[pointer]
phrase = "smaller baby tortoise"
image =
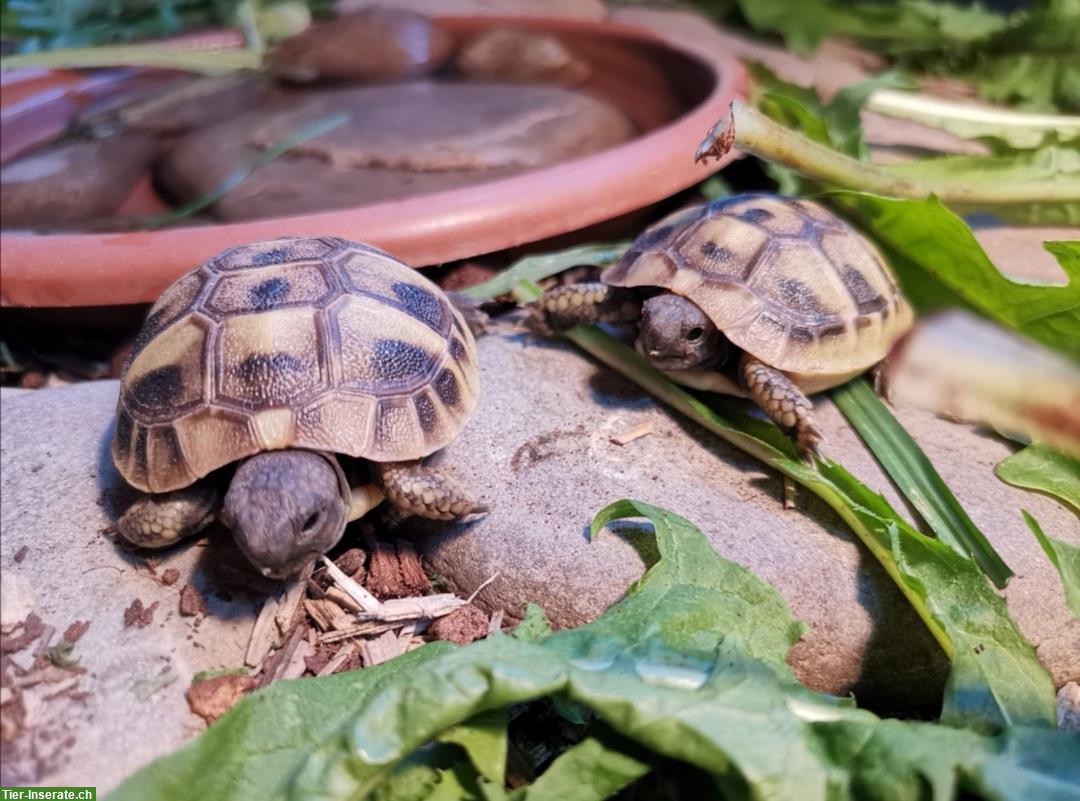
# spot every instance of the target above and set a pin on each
(277, 356)
(808, 302)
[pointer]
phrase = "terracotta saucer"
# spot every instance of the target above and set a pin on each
(672, 85)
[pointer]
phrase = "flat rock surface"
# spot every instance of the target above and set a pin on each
(539, 450)
(58, 487)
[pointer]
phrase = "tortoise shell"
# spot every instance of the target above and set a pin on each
(785, 280)
(315, 343)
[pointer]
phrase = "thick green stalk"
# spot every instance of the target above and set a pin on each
(971, 121)
(749, 130)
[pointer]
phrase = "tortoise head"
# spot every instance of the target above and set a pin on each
(285, 509)
(674, 334)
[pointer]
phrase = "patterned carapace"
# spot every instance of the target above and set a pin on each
(316, 343)
(785, 280)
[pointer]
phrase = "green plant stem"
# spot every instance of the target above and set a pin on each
(216, 61)
(763, 137)
(973, 121)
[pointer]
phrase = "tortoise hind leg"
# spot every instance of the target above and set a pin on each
(564, 307)
(157, 521)
(784, 402)
(426, 491)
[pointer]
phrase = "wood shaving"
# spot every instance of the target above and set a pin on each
(264, 635)
(395, 571)
(338, 661)
(365, 599)
(381, 649)
(297, 664)
(342, 600)
(285, 615)
(634, 432)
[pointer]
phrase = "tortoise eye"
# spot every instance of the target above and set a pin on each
(695, 333)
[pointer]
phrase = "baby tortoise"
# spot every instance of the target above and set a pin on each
(807, 302)
(277, 356)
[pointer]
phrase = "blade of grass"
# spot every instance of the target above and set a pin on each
(1066, 560)
(916, 478)
(996, 676)
(219, 61)
(544, 265)
(236, 177)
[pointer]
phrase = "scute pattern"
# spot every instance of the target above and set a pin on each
(313, 343)
(785, 280)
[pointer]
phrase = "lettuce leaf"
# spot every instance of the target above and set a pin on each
(1044, 469)
(725, 706)
(940, 263)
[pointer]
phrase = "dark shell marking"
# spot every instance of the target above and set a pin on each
(307, 342)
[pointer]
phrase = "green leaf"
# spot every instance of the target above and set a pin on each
(896, 27)
(421, 774)
(534, 624)
(213, 673)
(916, 478)
(1066, 560)
(938, 260)
(1027, 57)
(541, 266)
(484, 740)
(1044, 469)
(588, 771)
(706, 598)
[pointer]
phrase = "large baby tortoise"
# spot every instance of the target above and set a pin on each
(277, 356)
(807, 301)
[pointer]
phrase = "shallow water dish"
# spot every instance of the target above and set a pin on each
(672, 86)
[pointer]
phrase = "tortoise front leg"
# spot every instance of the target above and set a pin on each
(784, 402)
(564, 307)
(157, 521)
(426, 491)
